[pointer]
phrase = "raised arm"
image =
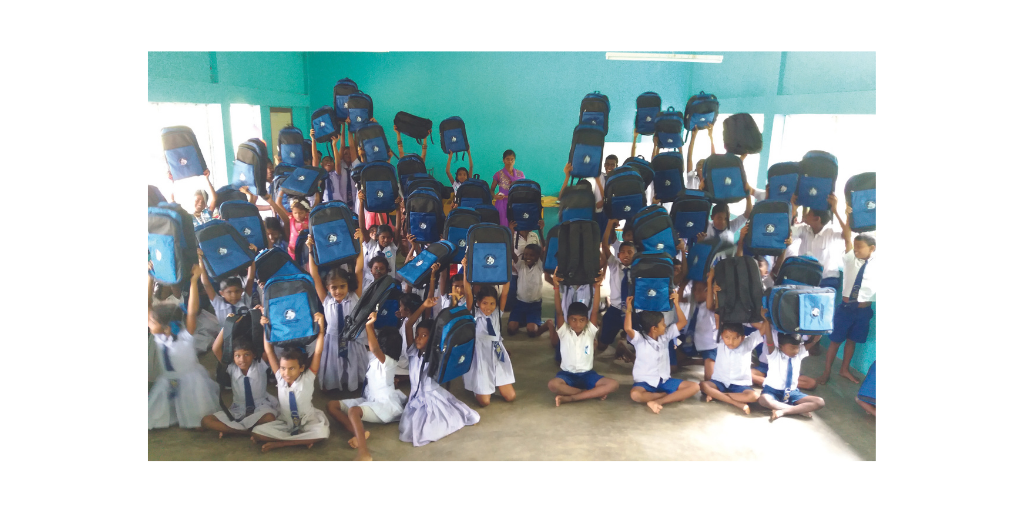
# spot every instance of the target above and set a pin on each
(468, 287)
(470, 153)
(275, 204)
(398, 135)
(627, 325)
(595, 313)
(371, 337)
(250, 276)
(654, 152)
(362, 216)
(268, 349)
(314, 270)
(352, 147)
(606, 250)
(565, 182)
(632, 152)
(833, 203)
(423, 155)
(847, 232)
(600, 187)
(743, 236)
(680, 317)
(448, 169)
(218, 344)
(504, 295)
(689, 154)
(432, 287)
(193, 301)
(312, 142)
(559, 314)
(357, 269)
(207, 286)
(711, 136)
(540, 236)
(314, 363)
(210, 189)
(750, 203)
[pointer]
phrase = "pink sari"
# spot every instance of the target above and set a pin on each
(505, 180)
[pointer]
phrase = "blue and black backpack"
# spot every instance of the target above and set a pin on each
(724, 179)
(325, 124)
(653, 230)
(426, 215)
(524, 206)
(289, 302)
(456, 228)
(374, 141)
(704, 254)
(587, 152)
(551, 252)
(801, 270)
(360, 110)
(417, 271)
(701, 111)
(648, 106)
(342, 90)
(668, 175)
(577, 203)
(769, 229)
(245, 218)
(453, 136)
(249, 169)
(594, 111)
(304, 181)
(800, 309)
(668, 126)
(380, 184)
(783, 179)
(273, 262)
(488, 213)
(172, 243)
(690, 212)
(641, 166)
(451, 347)
(818, 173)
(379, 297)
(651, 281)
(408, 166)
(472, 192)
(625, 193)
(333, 229)
(225, 251)
(488, 254)
(289, 144)
(860, 195)
(181, 152)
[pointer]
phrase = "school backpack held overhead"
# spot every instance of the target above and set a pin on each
(325, 124)
(172, 243)
(488, 254)
(304, 181)
(408, 166)
(624, 194)
(332, 227)
(289, 145)
(594, 111)
(648, 106)
(427, 182)
(587, 151)
(579, 251)
(739, 300)
(380, 184)
(860, 195)
(249, 169)
(374, 141)
(182, 153)
(769, 229)
(651, 281)
(155, 196)
(488, 213)
(456, 227)
(551, 253)
(417, 271)
(453, 135)
(818, 173)
(451, 346)
(245, 218)
(740, 135)
(524, 206)
(225, 251)
(704, 254)
(783, 179)
(274, 262)
(426, 215)
(413, 126)
(378, 298)
(801, 270)
(641, 166)
(668, 127)
(668, 175)
(701, 111)
(360, 110)
(289, 302)
(800, 309)
(577, 203)
(342, 90)
(690, 212)
(724, 178)
(653, 230)
(472, 192)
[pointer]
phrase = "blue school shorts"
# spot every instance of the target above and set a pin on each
(526, 313)
(794, 395)
(611, 324)
(851, 323)
(708, 354)
(731, 388)
(666, 386)
(584, 381)
(762, 367)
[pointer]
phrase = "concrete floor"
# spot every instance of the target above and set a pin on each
(531, 428)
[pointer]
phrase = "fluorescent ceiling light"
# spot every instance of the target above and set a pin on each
(664, 57)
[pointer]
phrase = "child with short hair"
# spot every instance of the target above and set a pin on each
(724, 228)
(702, 327)
(382, 403)
(250, 403)
(382, 244)
(298, 422)
(731, 381)
(183, 393)
(461, 175)
(492, 366)
(275, 232)
(577, 379)
(852, 319)
(520, 240)
(818, 237)
(341, 363)
(298, 219)
(232, 297)
(456, 296)
(652, 382)
(618, 275)
(780, 391)
(528, 301)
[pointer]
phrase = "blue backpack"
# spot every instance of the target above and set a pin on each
(577, 203)
(333, 229)
(342, 90)
(374, 141)
(289, 144)
(274, 262)
(860, 195)
(249, 169)
(409, 166)
(783, 178)
(488, 213)
(701, 110)
(289, 302)
(551, 253)
(524, 206)
(668, 175)
(704, 254)
(818, 173)
(594, 111)
(172, 243)
(690, 212)
(304, 181)
(769, 229)
(801, 270)
(648, 106)
(653, 230)
(587, 152)
(181, 152)
(867, 393)
(245, 217)
(651, 281)
(451, 347)
(456, 227)
(472, 192)
(379, 181)
(453, 135)
(426, 215)
(379, 297)
(668, 126)
(724, 178)
(624, 193)
(800, 309)
(360, 110)
(225, 251)
(417, 271)
(325, 124)
(489, 254)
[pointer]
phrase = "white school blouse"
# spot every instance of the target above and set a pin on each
(652, 357)
(732, 366)
(827, 246)
(577, 349)
(851, 266)
(778, 364)
(528, 284)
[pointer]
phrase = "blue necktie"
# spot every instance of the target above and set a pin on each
(624, 287)
(173, 382)
(294, 406)
(167, 359)
(691, 327)
(856, 283)
(250, 404)
(490, 327)
(234, 309)
(789, 377)
(339, 313)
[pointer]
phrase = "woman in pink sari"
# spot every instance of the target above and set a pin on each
(503, 181)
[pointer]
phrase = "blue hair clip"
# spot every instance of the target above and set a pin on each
(175, 329)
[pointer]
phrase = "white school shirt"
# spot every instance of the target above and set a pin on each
(597, 192)
(455, 186)
(730, 231)
(652, 357)
(257, 383)
(303, 389)
(371, 249)
(222, 308)
(732, 366)
(705, 334)
(577, 350)
(827, 246)
(615, 269)
(851, 266)
(528, 284)
(778, 364)
(519, 246)
(446, 301)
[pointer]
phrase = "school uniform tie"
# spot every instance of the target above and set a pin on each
(167, 359)
(789, 377)
(173, 393)
(339, 313)
(490, 327)
(624, 287)
(250, 404)
(234, 309)
(294, 406)
(856, 283)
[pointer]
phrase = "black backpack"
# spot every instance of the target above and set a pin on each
(155, 196)
(450, 351)
(642, 167)
(472, 192)
(741, 135)
(594, 111)
(413, 126)
(325, 124)
(651, 276)
(577, 203)
(579, 251)
(739, 300)
(690, 212)
(668, 175)
(860, 195)
(488, 213)
(371, 300)
(342, 90)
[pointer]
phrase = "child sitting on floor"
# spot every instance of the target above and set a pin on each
(780, 393)
(250, 403)
(492, 367)
(652, 383)
(578, 381)
(731, 381)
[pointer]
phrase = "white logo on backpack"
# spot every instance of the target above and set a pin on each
(461, 359)
(380, 193)
(453, 138)
(302, 178)
(651, 293)
(423, 225)
(769, 228)
(669, 141)
(813, 192)
(871, 205)
(489, 260)
(586, 159)
(815, 312)
(289, 314)
(246, 231)
(158, 255)
(728, 180)
(648, 119)
(462, 243)
(222, 251)
(376, 149)
(668, 183)
(332, 238)
(689, 224)
(322, 124)
(627, 208)
(660, 246)
(419, 263)
(526, 215)
(182, 161)
(291, 154)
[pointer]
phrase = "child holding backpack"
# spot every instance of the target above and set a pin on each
(780, 391)
(577, 379)
(731, 381)
(502, 181)
(618, 283)
(298, 219)
(250, 403)
(232, 297)
(528, 300)
(492, 367)
(461, 175)
(653, 383)
(342, 364)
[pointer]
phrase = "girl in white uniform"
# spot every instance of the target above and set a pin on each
(492, 367)
(383, 403)
(298, 423)
(343, 365)
(250, 403)
(184, 391)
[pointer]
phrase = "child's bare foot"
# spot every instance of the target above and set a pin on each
(655, 406)
(270, 446)
(353, 443)
(562, 399)
(823, 379)
(708, 399)
(363, 457)
(603, 397)
(221, 436)
(746, 409)
(806, 414)
(775, 415)
(848, 375)
(253, 439)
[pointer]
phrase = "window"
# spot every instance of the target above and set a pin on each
(245, 124)
(279, 118)
(206, 122)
